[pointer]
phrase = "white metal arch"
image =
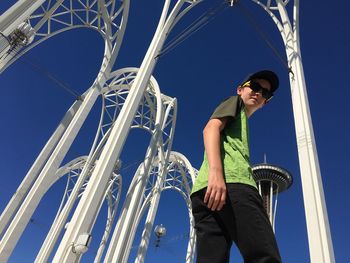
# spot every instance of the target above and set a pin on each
(320, 245)
(177, 175)
(149, 113)
(150, 116)
(318, 229)
(160, 145)
(55, 149)
(113, 95)
(73, 170)
(155, 106)
(54, 17)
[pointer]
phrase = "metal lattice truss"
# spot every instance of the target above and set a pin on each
(23, 26)
(53, 17)
(155, 111)
(179, 175)
(156, 114)
(48, 18)
(319, 236)
(290, 33)
(73, 170)
(272, 5)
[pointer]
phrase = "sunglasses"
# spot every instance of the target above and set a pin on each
(256, 87)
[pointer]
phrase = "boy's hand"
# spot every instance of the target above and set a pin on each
(216, 191)
(215, 195)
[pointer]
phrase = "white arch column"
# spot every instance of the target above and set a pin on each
(75, 169)
(82, 219)
(119, 131)
(319, 237)
(152, 211)
(32, 199)
(178, 175)
(37, 191)
(34, 171)
(124, 233)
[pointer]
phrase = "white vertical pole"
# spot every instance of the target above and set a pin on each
(125, 229)
(320, 242)
(110, 218)
(82, 218)
(146, 234)
(191, 247)
(33, 172)
(28, 206)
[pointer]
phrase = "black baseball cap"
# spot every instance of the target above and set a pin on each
(268, 75)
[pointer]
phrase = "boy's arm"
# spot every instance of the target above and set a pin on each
(215, 195)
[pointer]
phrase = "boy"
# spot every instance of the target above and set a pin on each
(225, 202)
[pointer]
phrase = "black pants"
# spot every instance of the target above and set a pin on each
(242, 220)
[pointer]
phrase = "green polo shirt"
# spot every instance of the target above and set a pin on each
(234, 144)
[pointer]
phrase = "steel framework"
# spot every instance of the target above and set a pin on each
(73, 171)
(107, 17)
(28, 23)
(319, 236)
(177, 174)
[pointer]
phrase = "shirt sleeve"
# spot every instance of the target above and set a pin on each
(228, 108)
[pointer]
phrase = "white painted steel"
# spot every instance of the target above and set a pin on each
(82, 219)
(165, 23)
(152, 211)
(320, 244)
(136, 212)
(63, 145)
(114, 94)
(125, 229)
(178, 176)
(181, 180)
(4, 44)
(55, 17)
(74, 169)
(275, 210)
(33, 172)
(117, 87)
(319, 236)
(113, 203)
(28, 206)
(164, 146)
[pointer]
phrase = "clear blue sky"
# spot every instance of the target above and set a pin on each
(199, 73)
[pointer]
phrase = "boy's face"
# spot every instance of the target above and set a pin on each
(253, 100)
